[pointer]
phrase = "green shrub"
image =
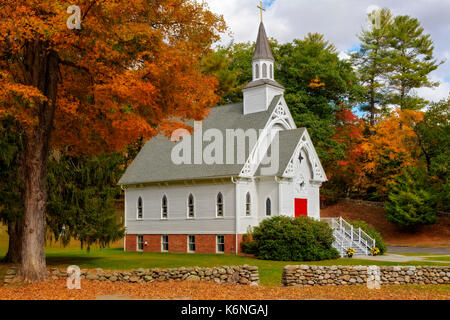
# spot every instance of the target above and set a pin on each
(293, 239)
(410, 204)
(247, 244)
(379, 243)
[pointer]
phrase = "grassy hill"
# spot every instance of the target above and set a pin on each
(437, 235)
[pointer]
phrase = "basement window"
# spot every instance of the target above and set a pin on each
(140, 243)
(165, 243)
(191, 243)
(220, 240)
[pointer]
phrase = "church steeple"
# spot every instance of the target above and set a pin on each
(262, 48)
(263, 60)
(259, 92)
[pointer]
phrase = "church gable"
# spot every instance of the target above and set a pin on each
(305, 151)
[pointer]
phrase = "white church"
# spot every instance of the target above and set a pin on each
(206, 207)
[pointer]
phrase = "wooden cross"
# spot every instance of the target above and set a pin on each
(261, 9)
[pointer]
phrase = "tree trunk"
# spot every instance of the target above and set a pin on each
(15, 242)
(42, 68)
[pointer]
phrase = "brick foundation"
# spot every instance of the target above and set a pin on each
(204, 243)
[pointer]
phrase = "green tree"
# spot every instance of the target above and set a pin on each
(410, 204)
(81, 198)
(11, 186)
(372, 63)
(316, 80)
(236, 59)
(410, 62)
(433, 136)
(218, 64)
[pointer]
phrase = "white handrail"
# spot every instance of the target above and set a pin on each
(346, 236)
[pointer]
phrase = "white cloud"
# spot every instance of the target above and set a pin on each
(340, 22)
(435, 94)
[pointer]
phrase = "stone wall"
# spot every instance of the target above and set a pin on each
(305, 275)
(245, 275)
(362, 202)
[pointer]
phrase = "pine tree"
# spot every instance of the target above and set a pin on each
(81, 193)
(11, 186)
(410, 204)
(410, 62)
(372, 64)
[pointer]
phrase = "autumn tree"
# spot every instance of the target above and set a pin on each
(391, 147)
(345, 173)
(129, 70)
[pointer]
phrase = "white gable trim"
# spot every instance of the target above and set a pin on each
(305, 143)
(280, 119)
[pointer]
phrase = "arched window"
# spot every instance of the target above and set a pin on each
(219, 205)
(271, 71)
(248, 204)
(264, 70)
(256, 71)
(191, 206)
(164, 207)
(268, 207)
(140, 208)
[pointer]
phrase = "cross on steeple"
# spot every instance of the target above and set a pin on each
(261, 9)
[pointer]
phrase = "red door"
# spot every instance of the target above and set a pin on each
(301, 207)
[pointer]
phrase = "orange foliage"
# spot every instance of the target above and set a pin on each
(391, 146)
(130, 70)
(349, 129)
(205, 290)
(315, 83)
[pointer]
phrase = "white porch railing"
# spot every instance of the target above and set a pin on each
(346, 236)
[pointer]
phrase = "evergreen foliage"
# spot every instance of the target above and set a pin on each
(410, 204)
(81, 198)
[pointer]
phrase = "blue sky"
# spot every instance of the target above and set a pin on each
(340, 21)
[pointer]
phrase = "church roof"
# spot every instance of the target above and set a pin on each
(154, 164)
(256, 83)
(262, 48)
(288, 141)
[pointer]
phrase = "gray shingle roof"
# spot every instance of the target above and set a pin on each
(153, 163)
(262, 48)
(259, 82)
(288, 141)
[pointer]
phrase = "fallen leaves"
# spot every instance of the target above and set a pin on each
(202, 290)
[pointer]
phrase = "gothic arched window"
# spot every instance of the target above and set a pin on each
(256, 71)
(248, 204)
(164, 207)
(219, 205)
(191, 206)
(264, 70)
(140, 208)
(271, 71)
(268, 207)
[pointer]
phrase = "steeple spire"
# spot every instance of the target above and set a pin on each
(262, 48)
(259, 92)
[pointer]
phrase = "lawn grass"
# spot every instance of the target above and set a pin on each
(444, 259)
(116, 259)
(411, 254)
